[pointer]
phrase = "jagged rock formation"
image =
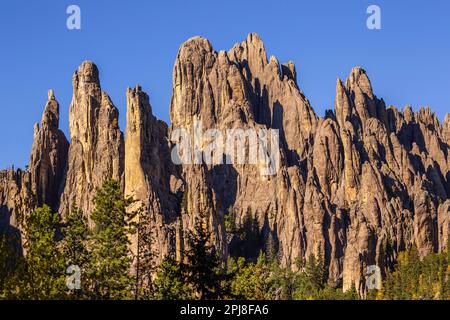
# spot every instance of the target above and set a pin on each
(149, 175)
(23, 191)
(96, 147)
(48, 156)
(15, 199)
(356, 186)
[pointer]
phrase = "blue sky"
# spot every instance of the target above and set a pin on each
(137, 41)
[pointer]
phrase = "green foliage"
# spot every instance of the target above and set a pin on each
(5, 269)
(145, 257)
(44, 276)
(230, 220)
(110, 263)
(203, 268)
(250, 281)
(250, 239)
(271, 247)
(284, 282)
(170, 283)
(267, 280)
(418, 279)
(316, 271)
(11, 266)
(75, 234)
(200, 276)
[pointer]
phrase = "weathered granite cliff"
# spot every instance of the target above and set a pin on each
(357, 186)
(96, 147)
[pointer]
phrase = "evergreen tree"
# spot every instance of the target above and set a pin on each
(146, 263)
(5, 270)
(170, 283)
(109, 268)
(316, 271)
(250, 281)
(75, 234)
(251, 241)
(414, 278)
(45, 267)
(271, 248)
(203, 266)
(11, 266)
(353, 293)
(446, 293)
(283, 281)
(230, 220)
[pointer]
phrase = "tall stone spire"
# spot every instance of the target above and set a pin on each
(96, 149)
(48, 156)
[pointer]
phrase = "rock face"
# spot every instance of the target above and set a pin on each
(97, 148)
(356, 186)
(15, 199)
(23, 191)
(148, 175)
(48, 156)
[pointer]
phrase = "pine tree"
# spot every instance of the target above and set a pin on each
(251, 239)
(146, 263)
(109, 268)
(271, 248)
(11, 266)
(283, 281)
(5, 270)
(203, 266)
(446, 293)
(75, 234)
(230, 220)
(250, 281)
(45, 268)
(316, 271)
(352, 294)
(170, 283)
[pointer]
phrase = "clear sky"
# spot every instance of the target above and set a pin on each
(137, 41)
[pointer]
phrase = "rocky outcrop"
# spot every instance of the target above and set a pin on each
(15, 199)
(444, 225)
(150, 178)
(48, 157)
(356, 186)
(96, 149)
(21, 192)
(447, 129)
